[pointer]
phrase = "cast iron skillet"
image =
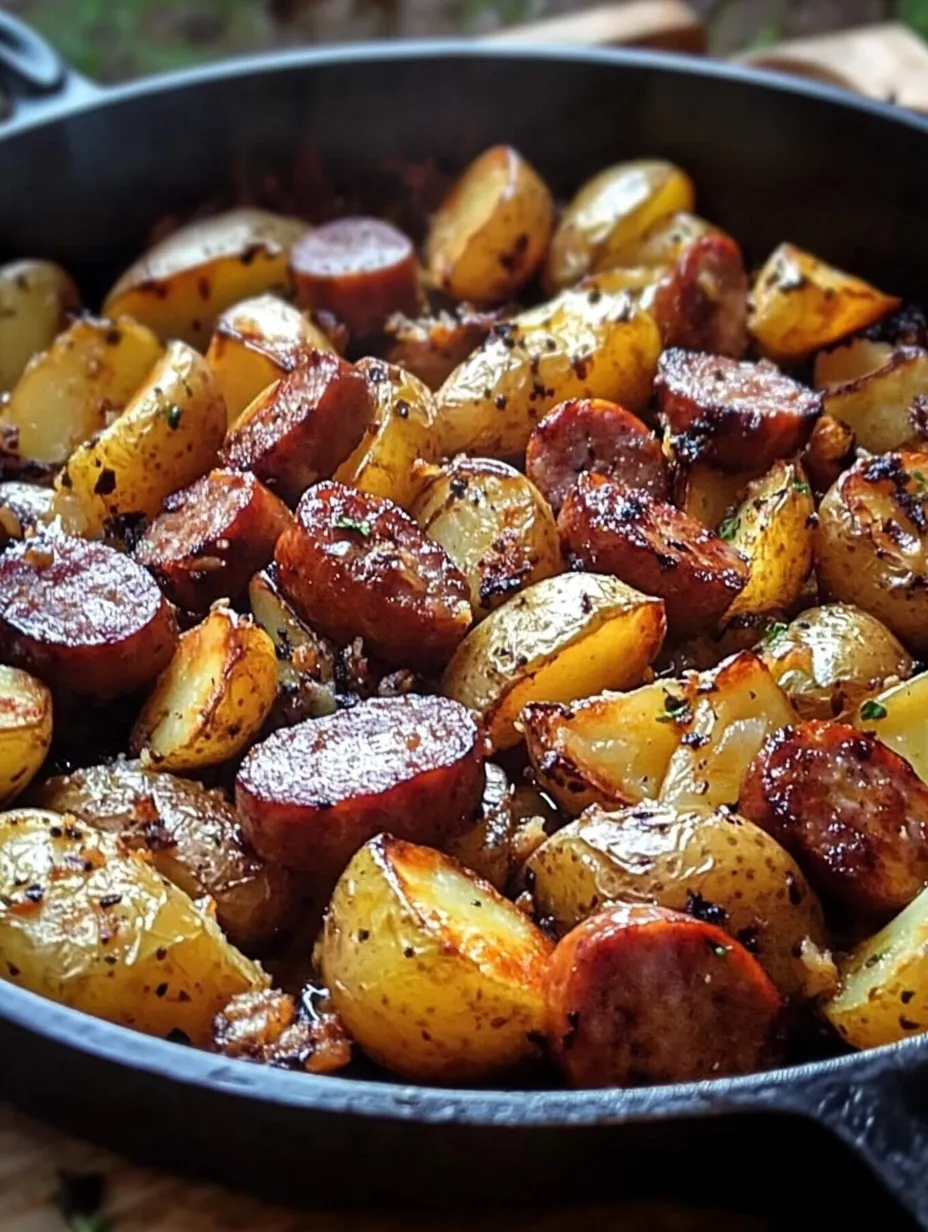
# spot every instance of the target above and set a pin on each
(83, 175)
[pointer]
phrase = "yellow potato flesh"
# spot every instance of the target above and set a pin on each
(35, 297)
(899, 718)
(877, 406)
(664, 243)
(25, 730)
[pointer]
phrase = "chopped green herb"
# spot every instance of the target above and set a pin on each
(872, 710)
(173, 415)
(722, 950)
(676, 710)
(729, 528)
(776, 630)
(360, 527)
(799, 486)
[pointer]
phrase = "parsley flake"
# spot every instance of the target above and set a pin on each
(776, 630)
(803, 488)
(872, 710)
(359, 526)
(729, 528)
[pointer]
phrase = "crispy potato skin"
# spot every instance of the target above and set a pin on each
(299, 430)
(702, 303)
(192, 836)
(310, 796)
(880, 407)
(654, 547)
(93, 926)
(83, 617)
(25, 730)
(609, 987)
(269, 1027)
(851, 811)
(431, 347)
(447, 985)
(355, 565)
(212, 537)
(35, 298)
(591, 434)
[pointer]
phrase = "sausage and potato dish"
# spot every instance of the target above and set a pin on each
(437, 653)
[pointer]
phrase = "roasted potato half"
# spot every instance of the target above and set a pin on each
(897, 716)
(25, 730)
(212, 698)
(878, 406)
(565, 637)
(707, 494)
(848, 360)
(87, 923)
(435, 974)
(182, 284)
(665, 242)
(35, 299)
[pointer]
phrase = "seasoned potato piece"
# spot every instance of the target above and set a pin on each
(701, 304)
(300, 429)
(731, 413)
(257, 342)
(773, 529)
(212, 537)
(613, 749)
(435, 974)
(878, 406)
(830, 658)
(311, 795)
(883, 995)
(305, 659)
(212, 697)
(192, 836)
(851, 811)
(584, 344)
(613, 980)
(355, 565)
(486, 847)
(399, 435)
(654, 547)
(872, 539)
(739, 705)
(897, 717)
(87, 923)
(25, 730)
(166, 437)
(610, 212)
(591, 434)
(24, 508)
(849, 360)
(271, 1028)
(495, 526)
(800, 304)
(78, 385)
(35, 299)
(358, 269)
(565, 637)
(709, 495)
(82, 617)
(492, 230)
(665, 242)
(431, 347)
(182, 284)
(830, 451)
(710, 864)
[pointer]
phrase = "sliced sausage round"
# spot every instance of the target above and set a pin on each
(702, 303)
(591, 434)
(309, 796)
(639, 995)
(851, 812)
(82, 616)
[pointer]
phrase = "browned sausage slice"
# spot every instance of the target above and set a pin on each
(732, 413)
(311, 795)
(653, 546)
(355, 565)
(591, 434)
(302, 427)
(851, 812)
(359, 269)
(82, 616)
(702, 303)
(640, 995)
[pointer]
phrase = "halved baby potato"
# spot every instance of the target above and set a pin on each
(212, 698)
(878, 405)
(665, 242)
(35, 300)
(898, 717)
(565, 637)
(25, 730)
(846, 361)
(436, 975)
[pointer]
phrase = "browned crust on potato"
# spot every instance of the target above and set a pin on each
(431, 347)
(310, 796)
(357, 566)
(830, 451)
(852, 813)
(653, 546)
(273, 1028)
(81, 616)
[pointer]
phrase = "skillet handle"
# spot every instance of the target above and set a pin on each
(32, 74)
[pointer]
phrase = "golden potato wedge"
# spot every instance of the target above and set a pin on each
(584, 344)
(801, 304)
(878, 406)
(830, 658)
(494, 524)
(830, 450)
(255, 343)
(773, 529)
(611, 750)
(610, 212)
(883, 984)
(492, 230)
(399, 438)
(711, 864)
(182, 284)
(739, 705)
(664, 243)
(25, 730)
(305, 659)
(565, 637)
(898, 717)
(436, 975)
(78, 385)
(35, 299)
(87, 923)
(846, 361)
(486, 847)
(212, 698)
(709, 495)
